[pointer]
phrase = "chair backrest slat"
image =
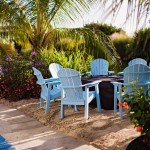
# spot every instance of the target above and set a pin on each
(137, 61)
(71, 79)
(40, 81)
(99, 67)
(54, 68)
(139, 73)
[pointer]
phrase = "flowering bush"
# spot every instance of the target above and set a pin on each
(16, 75)
(17, 80)
(138, 100)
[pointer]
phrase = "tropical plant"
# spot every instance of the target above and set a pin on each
(35, 22)
(142, 44)
(32, 20)
(6, 49)
(78, 60)
(124, 47)
(138, 100)
(107, 29)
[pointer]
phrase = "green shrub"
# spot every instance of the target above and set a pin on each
(77, 60)
(124, 47)
(142, 44)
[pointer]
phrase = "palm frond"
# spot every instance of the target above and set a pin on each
(137, 10)
(99, 45)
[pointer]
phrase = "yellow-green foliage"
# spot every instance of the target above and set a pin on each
(6, 49)
(77, 60)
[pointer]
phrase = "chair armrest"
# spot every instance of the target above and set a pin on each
(147, 83)
(85, 85)
(70, 87)
(117, 83)
(51, 80)
(53, 83)
(50, 83)
(117, 86)
(92, 83)
(89, 73)
(111, 72)
(120, 73)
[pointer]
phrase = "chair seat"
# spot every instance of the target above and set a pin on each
(90, 97)
(81, 101)
(56, 92)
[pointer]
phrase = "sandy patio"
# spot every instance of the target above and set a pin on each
(103, 130)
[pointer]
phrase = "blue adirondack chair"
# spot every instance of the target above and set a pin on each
(49, 90)
(133, 62)
(137, 61)
(100, 67)
(72, 91)
(54, 68)
(138, 73)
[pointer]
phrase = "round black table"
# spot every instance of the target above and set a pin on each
(106, 90)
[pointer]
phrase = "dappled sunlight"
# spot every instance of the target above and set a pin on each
(45, 134)
(102, 129)
(7, 111)
(115, 140)
(12, 118)
(35, 137)
(26, 105)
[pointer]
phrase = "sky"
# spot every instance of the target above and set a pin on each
(96, 15)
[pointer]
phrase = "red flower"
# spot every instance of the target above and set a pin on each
(120, 104)
(125, 105)
(139, 129)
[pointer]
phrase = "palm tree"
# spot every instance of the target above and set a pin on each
(33, 21)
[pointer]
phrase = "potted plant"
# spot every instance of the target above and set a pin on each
(138, 101)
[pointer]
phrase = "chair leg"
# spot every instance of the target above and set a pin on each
(47, 105)
(120, 110)
(115, 99)
(98, 99)
(62, 111)
(76, 107)
(86, 111)
(41, 102)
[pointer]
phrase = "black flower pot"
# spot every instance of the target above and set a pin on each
(140, 143)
